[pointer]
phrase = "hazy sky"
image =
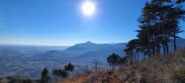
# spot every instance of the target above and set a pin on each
(62, 22)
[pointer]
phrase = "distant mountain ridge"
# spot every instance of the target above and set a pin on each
(92, 50)
(80, 50)
(89, 49)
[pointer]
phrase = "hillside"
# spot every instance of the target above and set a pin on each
(165, 69)
(92, 50)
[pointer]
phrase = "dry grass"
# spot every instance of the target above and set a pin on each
(80, 79)
(163, 69)
(158, 69)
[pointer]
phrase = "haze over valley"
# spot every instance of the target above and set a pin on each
(28, 61)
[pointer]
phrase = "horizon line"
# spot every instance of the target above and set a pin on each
(56, 44)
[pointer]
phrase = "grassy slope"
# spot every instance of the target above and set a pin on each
(159, 69)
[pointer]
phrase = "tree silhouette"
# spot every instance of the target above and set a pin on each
(113, 60)
(96, 65)
(180, 1)
(69, 67)
(45, 76)
(132, 49)
(61, 73)
(175, 15)
(159, 24)
(124, 60)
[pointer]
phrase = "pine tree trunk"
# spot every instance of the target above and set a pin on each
(164, 50)
(175, 47)
(158, 47)
(167, 48)
(174, 41)
(138, 56)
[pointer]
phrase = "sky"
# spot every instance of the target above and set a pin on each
(62, 22)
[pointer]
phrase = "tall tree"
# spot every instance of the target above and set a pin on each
(113, 60)
(159, 23)
(132, 49)
(45, 76)
(176, 14)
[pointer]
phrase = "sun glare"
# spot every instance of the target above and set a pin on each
(88, 8)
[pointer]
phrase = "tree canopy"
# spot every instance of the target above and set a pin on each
(158, 25)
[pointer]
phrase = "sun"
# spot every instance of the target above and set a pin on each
(88, 8)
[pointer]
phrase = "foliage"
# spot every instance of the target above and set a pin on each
(113, 60)
(159, 24)
(45, 76)
(60, 73)
(69, 67)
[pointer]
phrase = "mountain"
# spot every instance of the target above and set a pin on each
(83, 53)
(88, 51)
(92, 50)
